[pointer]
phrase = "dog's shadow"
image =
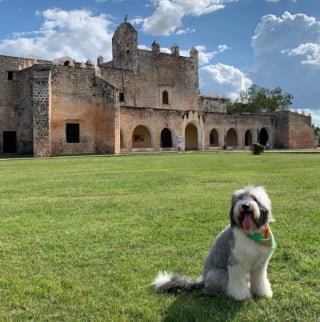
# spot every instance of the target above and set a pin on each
(198, 307)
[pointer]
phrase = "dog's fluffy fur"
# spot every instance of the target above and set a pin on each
(236, 265)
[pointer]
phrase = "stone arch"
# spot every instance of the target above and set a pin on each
(166, 138)
(264, 136)
(141, 137)
(214, 138)
(232, 137)
(191, 137)
(248, 138)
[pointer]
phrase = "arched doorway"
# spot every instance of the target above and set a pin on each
(166, 138)
(214, 138)
(263, 136)
(191, 137)
(141, 137)
(248, 138)
(232, 138)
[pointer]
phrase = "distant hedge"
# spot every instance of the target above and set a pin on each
(257, 148)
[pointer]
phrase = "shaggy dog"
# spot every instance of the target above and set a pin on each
(237, 263)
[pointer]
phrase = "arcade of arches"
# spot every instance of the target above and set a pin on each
(146, 138)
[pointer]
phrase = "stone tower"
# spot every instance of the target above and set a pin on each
(125, 47)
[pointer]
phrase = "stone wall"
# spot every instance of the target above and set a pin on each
(240, 123)
(143, 75)
(79, 97)
(157, 72)
(301, 134)
(154, 120)
(230, 131)
(24, 105)
(212, 104)
(41, 94)
(16, 101)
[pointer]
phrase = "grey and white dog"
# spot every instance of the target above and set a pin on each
(237, 262)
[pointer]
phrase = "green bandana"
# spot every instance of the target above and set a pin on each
(265, 238)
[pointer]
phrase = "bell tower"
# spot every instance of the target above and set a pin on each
(125, 47)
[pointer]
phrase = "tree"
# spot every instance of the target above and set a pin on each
(316, 130)
(258, 99)
(282, 101)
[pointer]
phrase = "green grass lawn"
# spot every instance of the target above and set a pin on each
(82, 238)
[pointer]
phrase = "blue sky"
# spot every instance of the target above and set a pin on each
(240, 42)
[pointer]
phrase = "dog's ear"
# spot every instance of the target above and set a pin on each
(232, 221)
(264, 214)
(266, 202)
(234, 198)
(236, 195)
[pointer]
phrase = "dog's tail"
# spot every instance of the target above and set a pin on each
(175, 283)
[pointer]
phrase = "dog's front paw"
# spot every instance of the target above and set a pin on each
(241, 297)
(266, 292)
(239, 294)
(262, 289)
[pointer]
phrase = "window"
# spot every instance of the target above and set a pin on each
(9, 142)
(10, 75)
(73, 132)
(165, 97)
(121, 97)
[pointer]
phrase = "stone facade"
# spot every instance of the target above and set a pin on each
(140, 101)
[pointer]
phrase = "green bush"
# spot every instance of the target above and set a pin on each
(257, 148)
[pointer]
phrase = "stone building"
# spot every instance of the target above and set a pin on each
(142, 100)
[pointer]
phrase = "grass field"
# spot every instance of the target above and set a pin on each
(81, 238)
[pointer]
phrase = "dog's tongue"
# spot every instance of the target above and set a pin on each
(247, 222)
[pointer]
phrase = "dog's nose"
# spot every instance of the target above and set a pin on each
(245, 206)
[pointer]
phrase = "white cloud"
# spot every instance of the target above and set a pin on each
(64, 33)
(204, 57)
(286, 54)
(185, 31)
(310, 51)
(168, 15)
(225, 80)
